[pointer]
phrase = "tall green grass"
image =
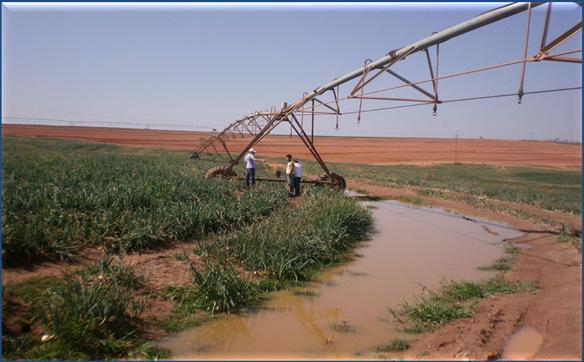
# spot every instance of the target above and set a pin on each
(92, 318)
(220, 289)
(395, 345)
(92, 314)
(454, 300)
(59, 196)
(295, 242)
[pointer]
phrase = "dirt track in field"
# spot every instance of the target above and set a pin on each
(364, 150)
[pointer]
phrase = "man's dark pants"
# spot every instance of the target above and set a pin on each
(297, 186)
(250, 176)
(290, 181)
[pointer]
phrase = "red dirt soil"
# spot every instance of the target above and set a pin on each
(363, 150)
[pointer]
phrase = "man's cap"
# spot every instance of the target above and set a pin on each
(252, 150)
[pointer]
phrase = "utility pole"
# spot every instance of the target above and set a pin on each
(456, 149)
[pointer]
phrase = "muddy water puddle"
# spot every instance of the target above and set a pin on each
(412, 249)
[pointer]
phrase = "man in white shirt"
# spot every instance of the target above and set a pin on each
(297, 177)
(249, 161)
(290, 173)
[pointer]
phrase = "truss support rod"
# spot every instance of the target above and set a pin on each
(241, 128)
(247, 128)
(311, 149)
(338, 108)
(523, 65)
(228, 131)
(256, 125)
(408, 82)
(436, 101)
(383, 69)
(363, 75)
(546, 25)
(398, 99)
(563, 59)
(337, 99)
(214, 148)
(309, 144)
(562, 38)
(238, 129)
(317, 112)
(327, 106)
(312, 128)
(266, 130)
(254, 141)
(225, 148)
(276, 124)
(231, 134)
(367, 61)
(432, 77)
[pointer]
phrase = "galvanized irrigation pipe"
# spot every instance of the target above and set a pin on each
(437, 38)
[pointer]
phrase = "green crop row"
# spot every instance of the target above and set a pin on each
(295, 242)
(59, 196)
(549, 189)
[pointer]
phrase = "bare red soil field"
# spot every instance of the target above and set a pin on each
(363, 150)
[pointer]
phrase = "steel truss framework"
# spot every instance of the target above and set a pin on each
(260, 124)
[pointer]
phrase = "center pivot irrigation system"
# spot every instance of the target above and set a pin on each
(260, 124)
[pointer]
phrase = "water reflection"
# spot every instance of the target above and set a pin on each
(412, 248)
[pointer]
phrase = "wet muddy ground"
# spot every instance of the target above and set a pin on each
(523, 344)
(412, 249)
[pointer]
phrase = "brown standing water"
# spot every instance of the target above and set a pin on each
(412, 248)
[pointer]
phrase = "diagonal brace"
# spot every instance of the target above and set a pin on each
(408, 82)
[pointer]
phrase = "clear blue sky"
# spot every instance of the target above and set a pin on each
(210, 64)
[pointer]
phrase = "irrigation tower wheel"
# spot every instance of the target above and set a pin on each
(222, 172)
(336, 181)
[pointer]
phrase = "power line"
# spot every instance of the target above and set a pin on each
(72, 122)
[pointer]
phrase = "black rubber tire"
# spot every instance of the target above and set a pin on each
(222, 172)
(335, 181)
(194, 156)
